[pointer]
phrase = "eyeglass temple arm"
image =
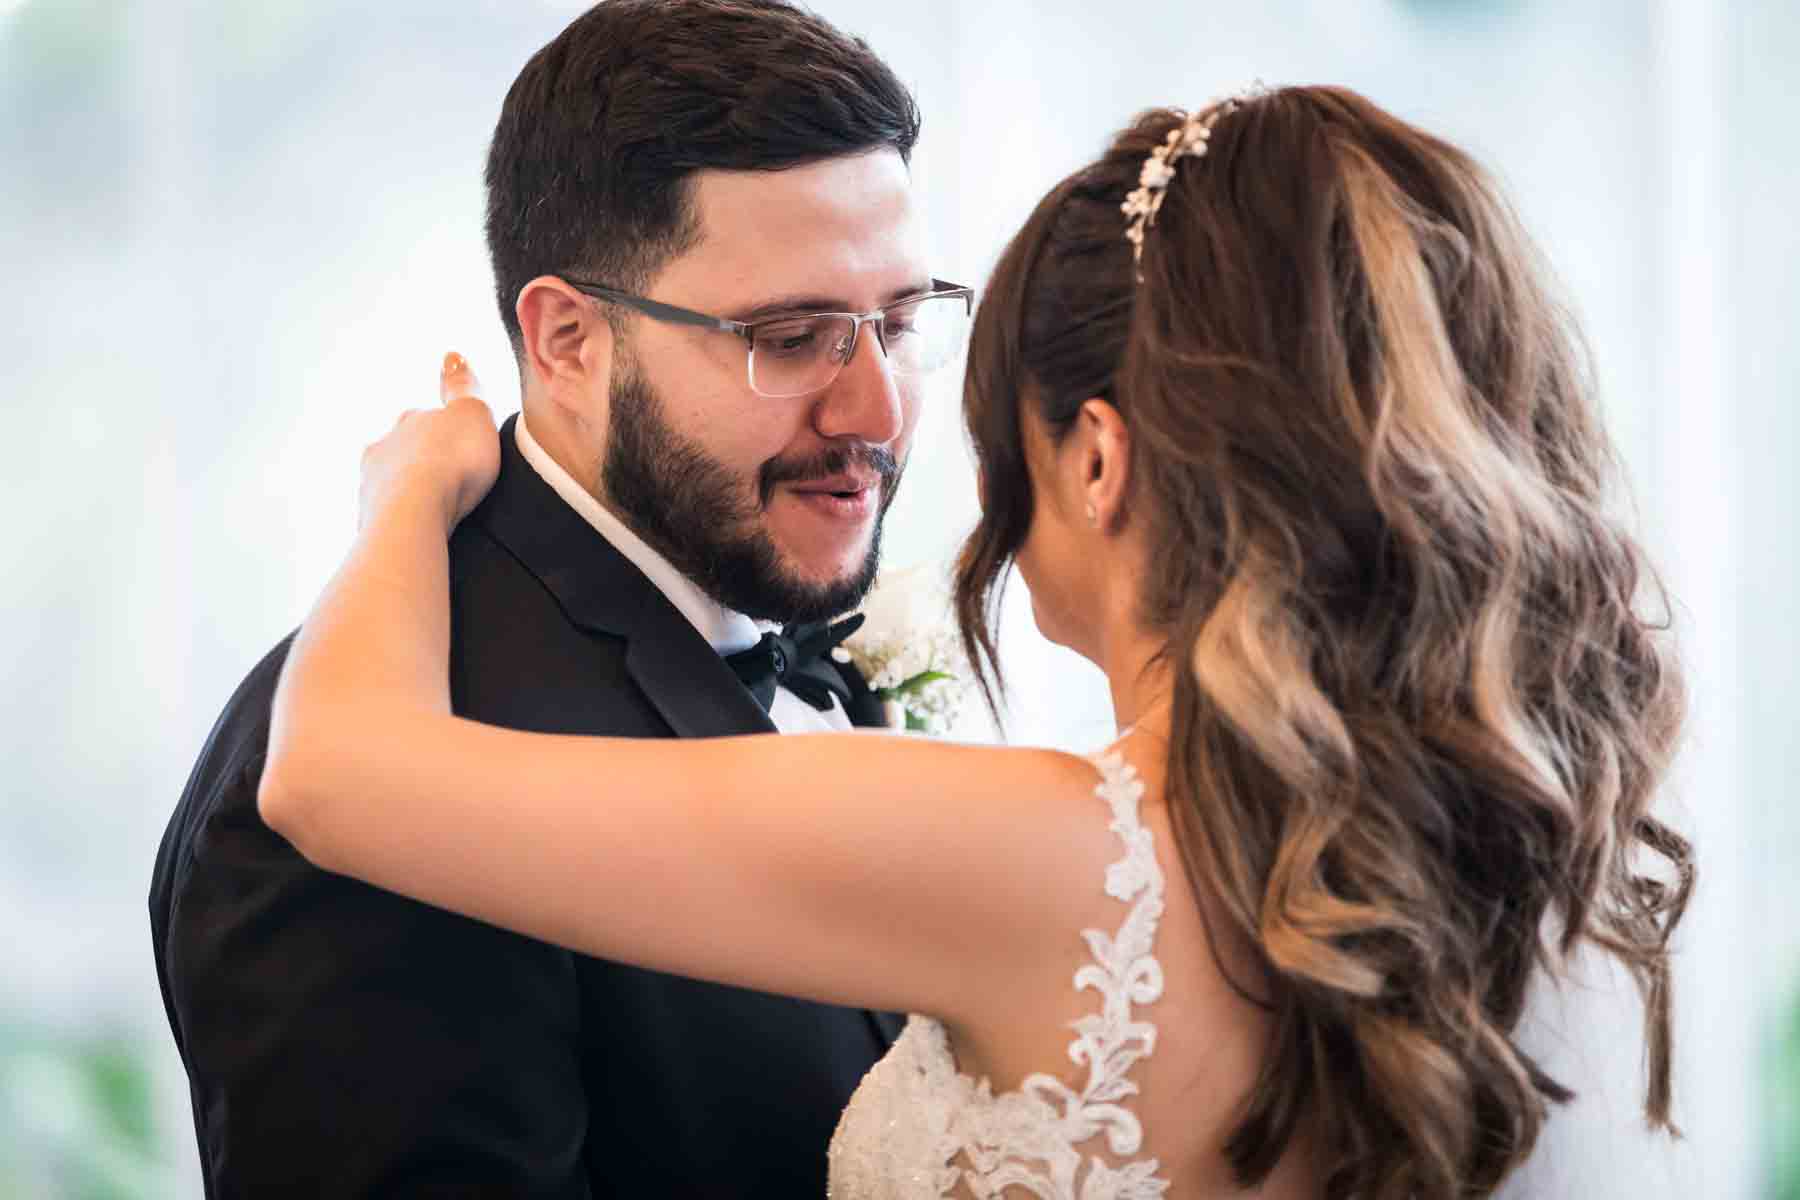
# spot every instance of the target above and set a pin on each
(671, 313)
(946, 288)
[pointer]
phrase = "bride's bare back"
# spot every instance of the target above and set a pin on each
(1187, 1095)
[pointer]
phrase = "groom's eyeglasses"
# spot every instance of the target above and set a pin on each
(794, 355)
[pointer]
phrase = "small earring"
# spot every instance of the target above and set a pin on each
(1093, 514)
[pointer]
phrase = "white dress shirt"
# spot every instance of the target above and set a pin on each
(724, 630)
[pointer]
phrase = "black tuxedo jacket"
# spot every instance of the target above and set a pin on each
(342, 1041)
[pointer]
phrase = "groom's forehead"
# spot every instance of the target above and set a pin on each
(842, 231)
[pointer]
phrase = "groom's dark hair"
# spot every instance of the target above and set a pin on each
(588, 173)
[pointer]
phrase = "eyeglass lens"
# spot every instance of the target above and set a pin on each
(792, 357)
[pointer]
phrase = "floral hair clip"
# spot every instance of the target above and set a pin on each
(1187, 140)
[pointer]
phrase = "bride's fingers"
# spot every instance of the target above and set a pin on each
(455, 377)
(457, 385)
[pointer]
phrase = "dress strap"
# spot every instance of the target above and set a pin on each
(1124, 972)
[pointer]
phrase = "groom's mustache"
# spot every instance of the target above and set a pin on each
(834, 460)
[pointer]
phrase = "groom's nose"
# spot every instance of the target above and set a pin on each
(866, 401)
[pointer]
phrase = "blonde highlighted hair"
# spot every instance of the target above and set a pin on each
(1418, 715)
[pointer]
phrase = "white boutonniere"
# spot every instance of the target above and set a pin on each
(909, 651)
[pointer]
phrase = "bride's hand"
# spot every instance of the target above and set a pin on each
(445, 458)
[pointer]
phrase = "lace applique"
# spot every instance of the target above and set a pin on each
(917, 1128)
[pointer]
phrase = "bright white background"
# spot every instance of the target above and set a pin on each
(236, 238)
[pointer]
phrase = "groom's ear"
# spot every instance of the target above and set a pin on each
(567, 343)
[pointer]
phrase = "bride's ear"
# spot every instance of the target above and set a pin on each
(1104, 450)
(567, 341)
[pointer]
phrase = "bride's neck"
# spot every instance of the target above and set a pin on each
(1139, 676)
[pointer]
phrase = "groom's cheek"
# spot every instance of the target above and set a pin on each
(890, 487)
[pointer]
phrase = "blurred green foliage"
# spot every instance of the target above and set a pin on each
(1781, 1082)
(76, 1117)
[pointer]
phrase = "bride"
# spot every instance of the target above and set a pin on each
(1276, 418)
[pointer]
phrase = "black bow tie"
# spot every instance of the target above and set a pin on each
(793, 659)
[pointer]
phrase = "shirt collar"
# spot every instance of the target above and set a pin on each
(726, 631)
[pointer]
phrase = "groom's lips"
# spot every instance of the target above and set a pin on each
(844, 497)
(842, 484)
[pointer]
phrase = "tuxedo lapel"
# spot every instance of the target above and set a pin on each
(693, 689)
(602, 591)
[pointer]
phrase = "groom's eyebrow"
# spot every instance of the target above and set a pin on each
(799, 305)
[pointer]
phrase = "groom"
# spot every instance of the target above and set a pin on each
(677, 485)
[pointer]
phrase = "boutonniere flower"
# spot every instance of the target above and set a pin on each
(910, 653)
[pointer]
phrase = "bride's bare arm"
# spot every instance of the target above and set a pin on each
(868, 870)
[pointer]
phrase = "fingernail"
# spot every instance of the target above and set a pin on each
(454, 364)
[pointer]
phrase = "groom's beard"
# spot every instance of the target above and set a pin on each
(697, 514)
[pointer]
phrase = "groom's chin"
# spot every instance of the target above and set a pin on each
(820, 563)
(824, 600)
(822, 539)
(815, 596)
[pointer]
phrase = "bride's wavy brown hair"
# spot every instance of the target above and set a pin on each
(1417, 717)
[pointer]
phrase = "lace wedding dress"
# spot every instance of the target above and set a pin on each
(918, 1129)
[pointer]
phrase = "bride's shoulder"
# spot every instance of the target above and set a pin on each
(1058, 785)
(1001, 819)
(1047, 786)
(1050, 816)
(967, 767)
